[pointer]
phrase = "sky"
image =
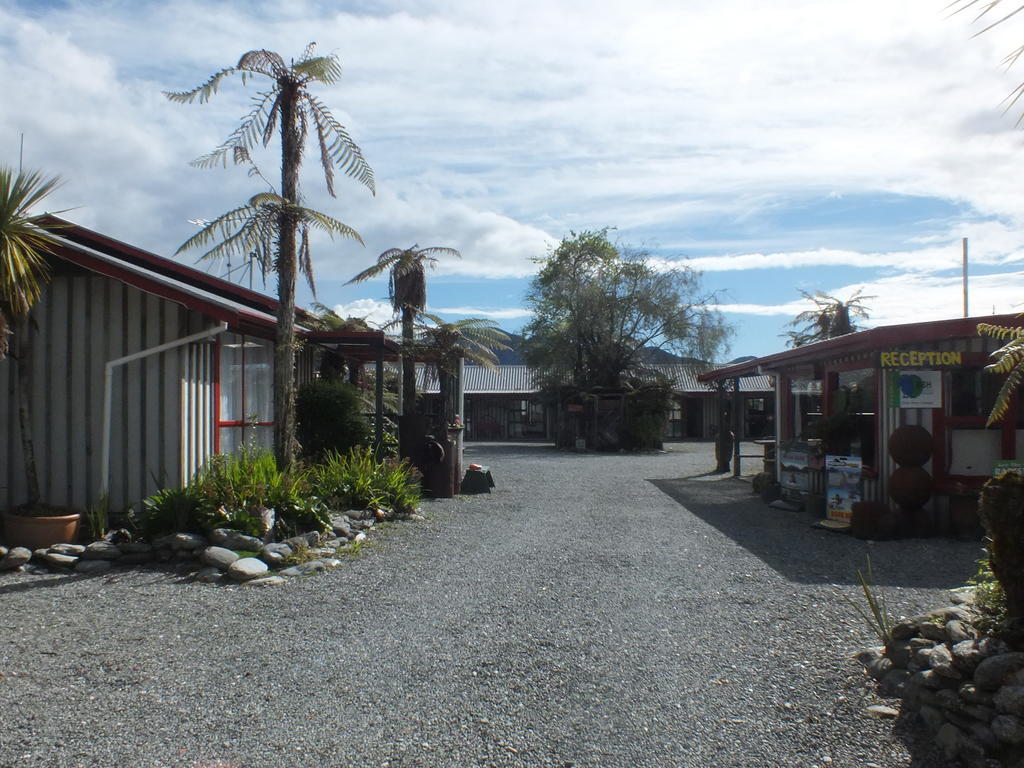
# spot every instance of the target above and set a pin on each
(775, 147)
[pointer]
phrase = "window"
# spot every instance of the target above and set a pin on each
(805, 397)
(245, 402)
(972, 448)
(854, 401)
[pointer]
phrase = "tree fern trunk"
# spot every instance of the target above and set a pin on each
(287, 266)
(408, 364)
(1001, 509)
(24, 366)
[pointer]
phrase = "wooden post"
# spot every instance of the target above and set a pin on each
(965, 277)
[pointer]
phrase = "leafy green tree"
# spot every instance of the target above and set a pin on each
(24, 244)
(598, 309)
(831, 317)
(407, 291)
(274, 225)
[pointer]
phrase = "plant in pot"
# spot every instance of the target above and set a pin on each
(25, 241)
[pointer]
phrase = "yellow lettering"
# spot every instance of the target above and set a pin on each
(886, 359)
(904, 358)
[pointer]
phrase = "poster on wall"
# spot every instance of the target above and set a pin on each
(794, 460)
(842, 484)
(915, 389)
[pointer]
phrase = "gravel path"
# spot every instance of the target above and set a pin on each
(593, 611)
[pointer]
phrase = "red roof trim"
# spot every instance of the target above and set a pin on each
(864, 341)
(239, 320)
(164, 266)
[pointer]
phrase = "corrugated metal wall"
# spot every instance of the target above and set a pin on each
(82, 321)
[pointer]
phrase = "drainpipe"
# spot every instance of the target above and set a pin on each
(108, 391)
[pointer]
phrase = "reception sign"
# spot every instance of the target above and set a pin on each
(842, 482)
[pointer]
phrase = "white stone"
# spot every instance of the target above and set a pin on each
(247, 568)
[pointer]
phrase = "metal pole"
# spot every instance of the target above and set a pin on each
(736, 422)
(108, 392)
(378, 430)
(965, 277)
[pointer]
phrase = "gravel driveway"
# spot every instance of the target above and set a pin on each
(595, 610)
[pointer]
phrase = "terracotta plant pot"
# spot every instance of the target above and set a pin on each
(39, 532)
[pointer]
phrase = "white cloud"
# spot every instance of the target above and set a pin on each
(377, 314)
(512, 313)
(653, 117)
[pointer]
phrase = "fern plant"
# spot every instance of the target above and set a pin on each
(1008, 360)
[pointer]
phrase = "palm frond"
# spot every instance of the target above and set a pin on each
(341, 149)
(263, 62)
(331, 226)
(1000, 331)
(203, 92)
(305, 259)
(247, 134)
(323, 69)
(24, 240)
(1005, 396)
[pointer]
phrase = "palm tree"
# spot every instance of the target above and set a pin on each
(407, 291)
(24, 243)
(472, 338)
(830, 317)
(274, 221)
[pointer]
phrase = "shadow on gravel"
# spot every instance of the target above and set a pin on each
(791, 543)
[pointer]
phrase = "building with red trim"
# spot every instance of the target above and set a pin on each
(860, 388)
(141, 368)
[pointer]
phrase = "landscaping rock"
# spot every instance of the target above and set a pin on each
(1009, 700)
(60, 561)
(218, 557)
(360, 537)
(15, 558)
(279, 548)
(967, 655)
(247, 568)
(92, 566)
(182, 541)
(3, 551)
(74, 550)
(333, 544)
(940, 659)
(948, 739)
(993, 671)
(1008, 729)
(237, 540)
(341, 526)
(958, 632)
(264, 581)
(273, 559)
(101, 550)
(331, 562)
(310, 539)
(882, 711)
(879, 668)
(933, 631)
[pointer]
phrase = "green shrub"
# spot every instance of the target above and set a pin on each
(234, 489)
(359, 480)
(989, 598)
(169, 510)
(329, 417)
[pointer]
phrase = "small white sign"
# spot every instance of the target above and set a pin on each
(916, 389)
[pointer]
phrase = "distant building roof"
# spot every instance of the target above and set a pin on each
(519, 380)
